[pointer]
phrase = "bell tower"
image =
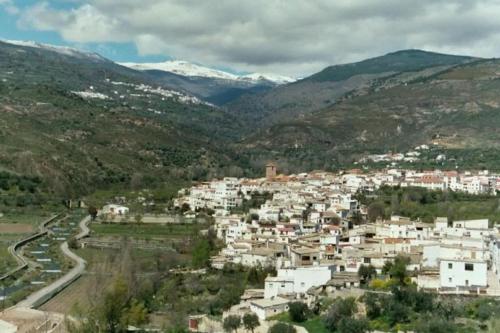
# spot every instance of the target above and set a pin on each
(270, 171)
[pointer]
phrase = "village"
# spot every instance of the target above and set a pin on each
(305, 231)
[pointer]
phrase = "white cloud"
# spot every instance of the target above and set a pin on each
(291, 37)
(9, 7)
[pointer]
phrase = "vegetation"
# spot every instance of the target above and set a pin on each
(231, 323)
(298, 311)
(427, 205)
(250, 321)
(282, 328)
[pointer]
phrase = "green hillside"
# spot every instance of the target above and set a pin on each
(73, 122)
(396, 62)
(458, 108)
(326, 88)
(134, 135)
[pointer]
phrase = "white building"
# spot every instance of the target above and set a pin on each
(265, 308)
(296, 280)
(463, 273)
(113, 209)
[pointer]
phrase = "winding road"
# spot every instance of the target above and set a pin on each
(21, 261)
(47, 292)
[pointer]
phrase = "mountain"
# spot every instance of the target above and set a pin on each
(323, 89)
(185, 68)
(456, 107)
(80, 122)
(395, 62)
(212, 85)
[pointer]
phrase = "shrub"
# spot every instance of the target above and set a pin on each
(282, 328)
(340, 309)
(298, 311)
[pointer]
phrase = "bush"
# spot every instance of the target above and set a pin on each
(434, 325)
(298, 312)
(351, 325)
(366, 273)
(282, 328)
(340, 309)
(250, 321)
(231, 323)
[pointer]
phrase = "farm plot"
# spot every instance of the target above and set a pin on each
(139, 230)
(15, 228)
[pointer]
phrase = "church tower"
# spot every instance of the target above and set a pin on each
(270, 171)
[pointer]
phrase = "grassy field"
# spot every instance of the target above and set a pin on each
(427, 205)
(312, 325)
(6, 260)
(146, 230)
(104, 265)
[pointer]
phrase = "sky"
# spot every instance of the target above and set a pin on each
(287, 37)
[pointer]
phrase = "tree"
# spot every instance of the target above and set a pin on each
(435, 325)
(387, 267)
(341, 308)
(73, 243)
(92, 212)
(398, 268)
(200, 256)
(231, 323)
(375, 210)
(396, 312)
(366, 273)
(282, 328)
(111, 310)
(138, 218)
(373, 305)
(352, 325)
(298, 311)
(250, 321)
(137, 314)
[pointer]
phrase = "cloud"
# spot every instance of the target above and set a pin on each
(9, 7)
(292, 37)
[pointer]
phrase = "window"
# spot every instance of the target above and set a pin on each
(367, 260)
(450, 265)
(450, 279)
(302, 284)
(469, 267)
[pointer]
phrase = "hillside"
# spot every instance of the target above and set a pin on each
(79, 122)
(323, 89)
(458, 108)
(72, 122)
(211, 85)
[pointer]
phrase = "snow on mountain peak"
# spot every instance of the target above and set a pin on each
(186, 68)
(55, 48)
(279, 79)
(183, 68)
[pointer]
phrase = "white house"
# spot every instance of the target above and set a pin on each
(115, 209)
(463, 273)
(296, 280)
(265, 308)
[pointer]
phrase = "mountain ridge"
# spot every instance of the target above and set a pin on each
(185, 68)
(80, 124)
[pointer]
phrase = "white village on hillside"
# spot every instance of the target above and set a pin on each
(304, 229)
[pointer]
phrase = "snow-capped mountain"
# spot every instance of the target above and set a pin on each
(185, 68)
(69, 51)
(278, 79)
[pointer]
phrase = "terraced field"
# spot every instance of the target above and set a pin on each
(45, 261)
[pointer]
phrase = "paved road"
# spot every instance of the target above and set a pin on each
(66, 279)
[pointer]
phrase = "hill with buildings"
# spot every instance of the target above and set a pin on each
(79, 121)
